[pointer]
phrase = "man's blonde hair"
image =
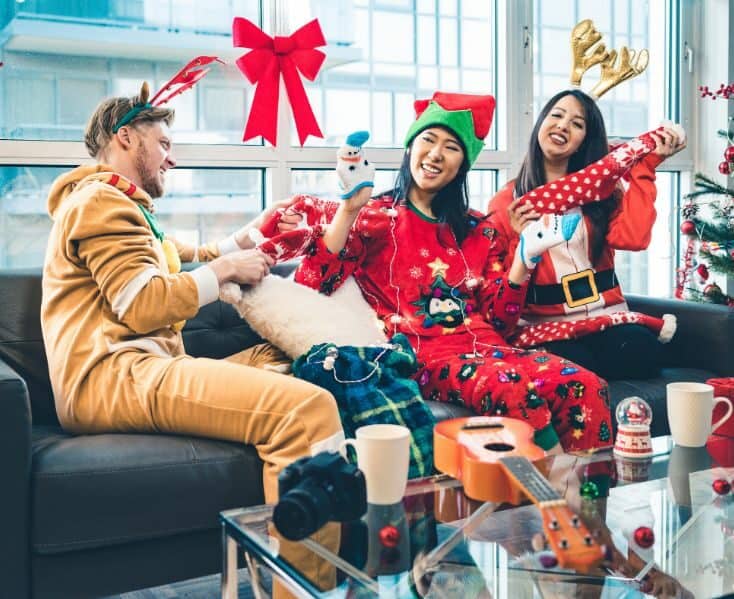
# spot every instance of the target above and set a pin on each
(100, 127)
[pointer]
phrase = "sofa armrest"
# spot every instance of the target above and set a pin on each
(703, 336)
(15, 465)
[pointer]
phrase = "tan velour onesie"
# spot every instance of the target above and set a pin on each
(116, 364)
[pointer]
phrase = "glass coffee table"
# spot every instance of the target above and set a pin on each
(439, 543)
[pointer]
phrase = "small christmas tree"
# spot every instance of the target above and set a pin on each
(708, 222)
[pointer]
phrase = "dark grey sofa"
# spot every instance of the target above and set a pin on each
(90, 515)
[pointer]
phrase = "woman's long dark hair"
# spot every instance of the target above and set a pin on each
(594, 147)
(451, 203)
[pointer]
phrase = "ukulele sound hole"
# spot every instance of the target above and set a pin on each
(499, 447)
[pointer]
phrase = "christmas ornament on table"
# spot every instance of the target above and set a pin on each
(638, 528)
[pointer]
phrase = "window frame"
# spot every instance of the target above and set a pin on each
(513, 68)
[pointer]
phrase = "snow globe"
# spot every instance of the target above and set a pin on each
(633, 429)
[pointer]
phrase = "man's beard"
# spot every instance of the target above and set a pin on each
(148, 181)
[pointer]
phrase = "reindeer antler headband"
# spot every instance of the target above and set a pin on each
(615, 67)
(185, 79)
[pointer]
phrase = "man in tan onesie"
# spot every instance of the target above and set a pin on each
(111, 304)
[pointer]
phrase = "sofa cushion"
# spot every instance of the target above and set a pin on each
(653, 392)
(97, 490)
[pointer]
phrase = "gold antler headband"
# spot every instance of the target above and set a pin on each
(615, 67)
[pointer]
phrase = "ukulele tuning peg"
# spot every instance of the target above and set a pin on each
(588, 540)
(553, 525)
(575, 522)
(563, 544)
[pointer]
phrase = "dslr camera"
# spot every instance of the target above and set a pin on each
(315, 490)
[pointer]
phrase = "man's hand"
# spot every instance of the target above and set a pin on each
(289, 220)
(521, 214)
(246, 267)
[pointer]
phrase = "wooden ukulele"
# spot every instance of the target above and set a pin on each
(493, 458)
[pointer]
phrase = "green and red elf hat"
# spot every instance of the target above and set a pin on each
(469, 116)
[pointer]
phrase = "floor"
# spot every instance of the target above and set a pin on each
(198, 588)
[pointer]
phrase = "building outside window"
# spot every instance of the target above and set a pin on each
(61, 58)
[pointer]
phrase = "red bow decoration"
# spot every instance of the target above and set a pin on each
(186, 78)
(270, 57)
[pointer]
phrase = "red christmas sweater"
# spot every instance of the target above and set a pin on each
(413, 274)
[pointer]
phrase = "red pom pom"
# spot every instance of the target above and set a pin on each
(721, 486)
(729, 154)
(724, 168)
(688, 227)
(389, 536)
(644, 537)
(702, 271)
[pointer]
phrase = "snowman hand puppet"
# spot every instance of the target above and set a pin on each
(352, 168)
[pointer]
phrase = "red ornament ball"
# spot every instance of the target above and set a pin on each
(721, 486)
(729, 154)
(644, 537)
(724, 168)
(389, 536)
(702, 271)
(712, 290)
(688, 227)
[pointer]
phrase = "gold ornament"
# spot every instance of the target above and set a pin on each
(616, 67)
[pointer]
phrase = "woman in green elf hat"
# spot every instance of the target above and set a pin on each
(433, 270)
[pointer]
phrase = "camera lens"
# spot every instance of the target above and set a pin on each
(302, 511)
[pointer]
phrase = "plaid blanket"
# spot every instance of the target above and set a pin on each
(372, 386)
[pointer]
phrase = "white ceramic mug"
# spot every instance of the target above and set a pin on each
(383, 455)
(689, 412)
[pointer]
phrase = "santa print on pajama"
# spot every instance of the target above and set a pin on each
(630, 228)
(455, 306)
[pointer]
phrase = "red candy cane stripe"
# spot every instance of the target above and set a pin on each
(538, 334)
(592, 183)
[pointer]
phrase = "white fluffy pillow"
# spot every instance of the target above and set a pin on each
(295, 317)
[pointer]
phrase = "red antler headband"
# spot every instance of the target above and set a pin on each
(186, 78)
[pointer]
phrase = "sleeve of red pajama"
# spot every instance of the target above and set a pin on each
(500, 301)
(497, 211)
(325, 270)
(630, 226)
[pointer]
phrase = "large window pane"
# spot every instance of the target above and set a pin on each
(633, 106)
(54, 72)
(201, 205)
(24, 222)
(400, 50)
(651, 272)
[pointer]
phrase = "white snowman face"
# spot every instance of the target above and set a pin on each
(442, 306)
(348, 153)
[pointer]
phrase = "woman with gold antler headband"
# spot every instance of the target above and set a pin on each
(574, 301)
